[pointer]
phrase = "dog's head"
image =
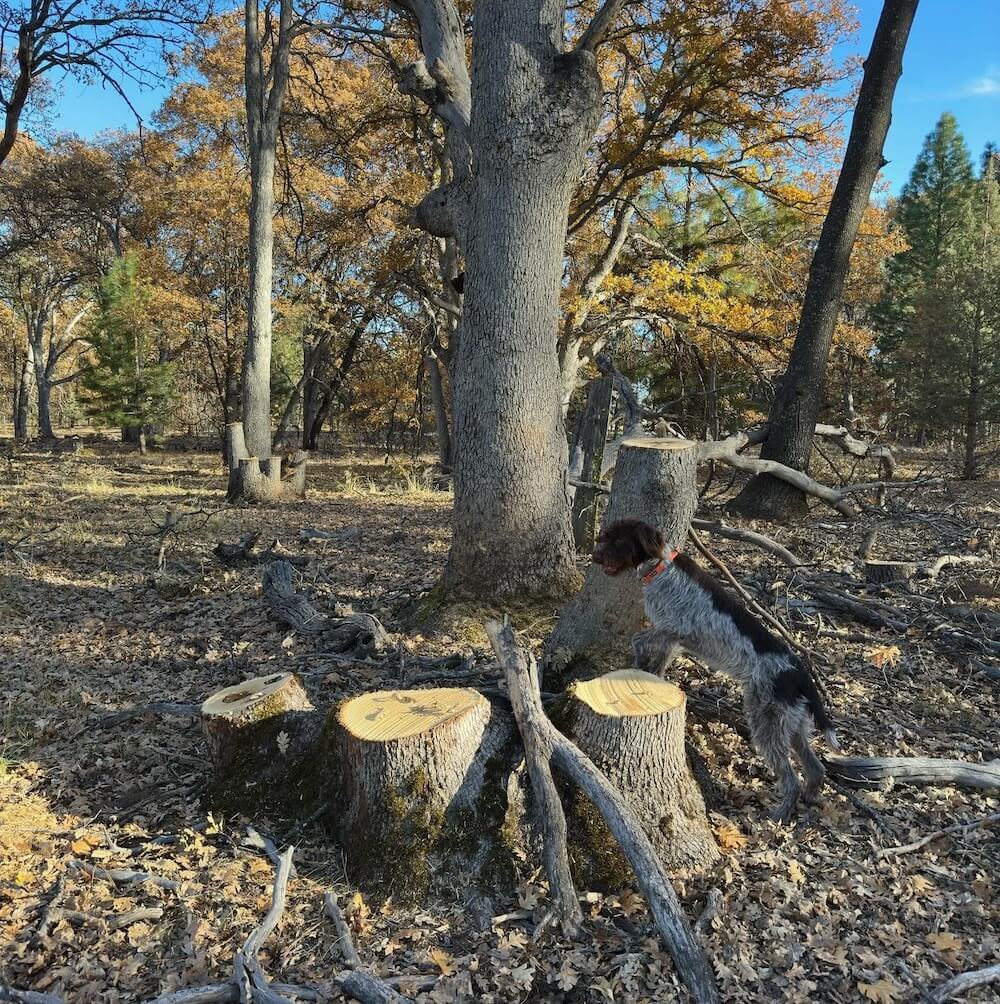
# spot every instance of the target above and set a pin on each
(627, 544)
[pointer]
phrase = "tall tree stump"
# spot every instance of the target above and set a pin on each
(259, 480)
(263, 740)
(654, 481)
(631, 725)
(420, 786)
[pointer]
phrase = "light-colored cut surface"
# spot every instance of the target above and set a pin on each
(244, 695)
(656, 443)
(399, 714)
(628, 693)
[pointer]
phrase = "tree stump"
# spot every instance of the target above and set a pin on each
(263, 740)
(259, 480)
(631, 725)
(654, 481)
(421, 788)
(884, 572)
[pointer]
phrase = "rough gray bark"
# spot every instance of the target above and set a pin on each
(655, 482)
(586, 456)
(441, 424)
(43, 388)
(265, 93)
(22, 396)
(793, 413)
(536, 107)
(916, 770)
(636, 739)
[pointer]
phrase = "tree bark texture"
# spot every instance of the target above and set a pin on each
(22, 396)
(631, 725)
(535, 108)
(265, 92)
(586, 456)
(654, 481)
(793, 413)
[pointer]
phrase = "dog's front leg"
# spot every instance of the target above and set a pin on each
(654, 651)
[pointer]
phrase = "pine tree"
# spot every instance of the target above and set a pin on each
(918, 334)
(127, 386)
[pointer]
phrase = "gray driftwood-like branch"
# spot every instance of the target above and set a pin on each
(959, 986)
(522, 686)
(689, 958)
(916, 770)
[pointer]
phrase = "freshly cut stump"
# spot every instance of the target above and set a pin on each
(413, 766)
(631, 724)
(655, 482)
(880, 572)
(263, 741)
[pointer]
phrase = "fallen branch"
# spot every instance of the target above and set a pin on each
(15, 996)
(963, 983)
(347, 950)
(934, 568)
(916, 770)
(962, 828)
(748, 537)
(689, 958)
(242, 552)
(121, 876)
(537, 753)
(166, 708)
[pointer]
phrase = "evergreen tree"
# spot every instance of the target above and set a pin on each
(127, 386)
(916, 319)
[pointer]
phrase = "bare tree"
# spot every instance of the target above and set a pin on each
(795, 409)
(116, 40)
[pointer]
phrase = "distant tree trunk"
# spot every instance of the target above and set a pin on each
(43, 388)
(265, 93)
(973, 406)
(796, 405)
(22, 396)
(586, 456)
(441, 425)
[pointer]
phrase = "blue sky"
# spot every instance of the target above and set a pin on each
(952, 64)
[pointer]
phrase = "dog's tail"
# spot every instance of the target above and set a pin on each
(818, 710)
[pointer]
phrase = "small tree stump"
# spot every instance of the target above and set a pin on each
(414, 765)
(263, 739)
(259, 480)
(631, 725)
(882, 572)
(654, 481)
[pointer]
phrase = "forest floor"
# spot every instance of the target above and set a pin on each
(89, 627)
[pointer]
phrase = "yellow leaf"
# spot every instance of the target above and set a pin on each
(884, 655)
(882, 992)
(442, 960)
(920, 884)
(795, 872)
(81, 846)
(730, 837)
(944, 941)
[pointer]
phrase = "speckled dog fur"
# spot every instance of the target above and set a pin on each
(691, 612)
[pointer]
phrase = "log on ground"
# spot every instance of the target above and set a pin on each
(655, 482)
(631, 725)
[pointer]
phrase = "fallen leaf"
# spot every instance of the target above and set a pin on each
(884, 655)
(442, 960)
(730, 837)
(882, 992)
(283, 740)
(945, 941)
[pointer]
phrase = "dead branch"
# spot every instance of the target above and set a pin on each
(166, 708)
(122, 876)
(537, 753)
(347, 950)
(934, 568)
(689, 958)
(15, 996)
(242, 552)
(209, 994)
(748, 537)
(962, 828)
(916, 770)
(963, 983)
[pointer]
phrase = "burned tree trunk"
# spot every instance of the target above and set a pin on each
(631, 725)
(655, 482)
(796, 405)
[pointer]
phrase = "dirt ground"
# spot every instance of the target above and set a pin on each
(89, 627)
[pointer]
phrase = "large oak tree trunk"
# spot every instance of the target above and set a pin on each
(655, 482)
(796, 405)
(22, 397)
(535, 109)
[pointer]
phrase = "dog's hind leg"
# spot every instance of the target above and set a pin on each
(813, 768)
(770, 731)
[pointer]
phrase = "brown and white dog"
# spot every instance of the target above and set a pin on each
(689, 610)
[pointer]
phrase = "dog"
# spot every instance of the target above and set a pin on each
(689, 610)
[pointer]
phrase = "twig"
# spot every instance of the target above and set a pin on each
(748, 537)
(166, 708)
(121, 876)
(344, 942)
(962, 828)
(713, 903)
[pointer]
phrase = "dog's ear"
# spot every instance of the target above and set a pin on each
(650, 541)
